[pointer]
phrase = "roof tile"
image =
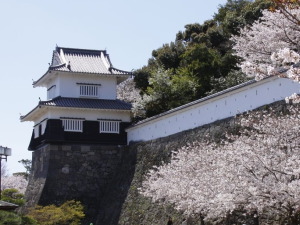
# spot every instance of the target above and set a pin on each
(83, 61)
(87, 103)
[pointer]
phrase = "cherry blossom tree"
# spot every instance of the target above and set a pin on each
(126, 91)
(257, 171)
(267, 37)
(284, 5)
(271, 45)
(17, 182)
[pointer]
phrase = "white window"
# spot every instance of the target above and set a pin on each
(51, 92)
(91, 90)
(74, 125)
(109, 126)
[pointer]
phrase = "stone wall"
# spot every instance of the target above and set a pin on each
(98, 176)
(140, 210)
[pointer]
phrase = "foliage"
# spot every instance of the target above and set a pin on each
(27, 220)
(27, 163)
(69, 213)
(9, 218)
(166, 91)
(12, 218)
(256, 171)
(12, 195)
(200, 55)
(233, 78)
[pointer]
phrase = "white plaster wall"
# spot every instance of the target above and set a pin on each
(52, 83)
(36, 128)
(66, 85)
(87, 114)
(203, 112)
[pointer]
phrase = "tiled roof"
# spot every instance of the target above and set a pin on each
(83, 61)
(87, 103)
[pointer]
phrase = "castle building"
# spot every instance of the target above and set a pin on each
(82, 105)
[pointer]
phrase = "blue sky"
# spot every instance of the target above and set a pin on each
(129, 31)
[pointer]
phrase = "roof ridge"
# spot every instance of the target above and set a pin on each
(81, 50)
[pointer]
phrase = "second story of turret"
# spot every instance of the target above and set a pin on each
(81, 73)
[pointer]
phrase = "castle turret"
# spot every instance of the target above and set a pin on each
(81, 105)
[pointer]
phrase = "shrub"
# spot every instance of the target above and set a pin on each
(13, 196)
(9, 218)
(69, 213)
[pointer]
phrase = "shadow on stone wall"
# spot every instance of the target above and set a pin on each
(98, 176)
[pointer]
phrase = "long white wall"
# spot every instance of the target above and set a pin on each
(212, 108)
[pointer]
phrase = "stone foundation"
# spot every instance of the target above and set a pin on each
(98, 176)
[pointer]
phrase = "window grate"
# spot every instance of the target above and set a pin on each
(72, 125)
(89, 90)
(107, 126)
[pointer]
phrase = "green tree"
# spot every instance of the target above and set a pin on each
(12, 195)
(9, 218)
(201, 56)
(69, 213)
(233, 78)
(27, 163)
(202, 63)
(167, 90)
(12, 218)
(169, 55)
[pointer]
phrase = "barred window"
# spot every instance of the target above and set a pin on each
(88, 90)
(109, 126)
(74, 125)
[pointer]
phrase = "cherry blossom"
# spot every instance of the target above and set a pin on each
(257, 170)
(271, 45)
(17, 182)
(127, 92)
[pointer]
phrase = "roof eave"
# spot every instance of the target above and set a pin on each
(30, 116)
(41, 80)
